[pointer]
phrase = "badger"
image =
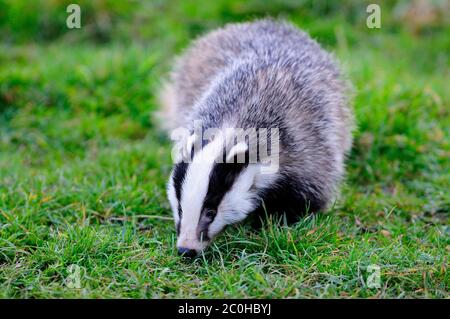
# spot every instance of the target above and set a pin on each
(245, 77)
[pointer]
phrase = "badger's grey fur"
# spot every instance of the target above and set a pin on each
(263, 74)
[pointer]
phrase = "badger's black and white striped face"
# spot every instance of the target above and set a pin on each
(206, 196)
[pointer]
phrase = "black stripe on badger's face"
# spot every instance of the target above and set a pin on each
(179, 173)
(221, 179)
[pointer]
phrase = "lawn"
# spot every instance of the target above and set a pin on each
(83, 166)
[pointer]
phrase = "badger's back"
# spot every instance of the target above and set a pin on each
(268, 74)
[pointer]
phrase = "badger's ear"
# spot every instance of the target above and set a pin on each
(239, 151)
(184, 143)
(188, 145)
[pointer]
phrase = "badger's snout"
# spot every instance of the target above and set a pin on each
(190, 247)
(187, 252)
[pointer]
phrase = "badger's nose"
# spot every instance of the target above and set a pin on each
(186, 252)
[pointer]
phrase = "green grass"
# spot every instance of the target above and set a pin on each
(83, 169)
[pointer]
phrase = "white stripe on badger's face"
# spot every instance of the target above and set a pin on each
(237, 203)
(194, 190)
(242, 198)
(173, 199)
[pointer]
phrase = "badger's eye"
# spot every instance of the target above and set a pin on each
(210, 213)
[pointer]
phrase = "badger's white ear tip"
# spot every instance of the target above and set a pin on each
(237, 149)
(187, 147)
(183, 145)
(190, 141)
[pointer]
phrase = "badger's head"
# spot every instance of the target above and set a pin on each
(206, 195)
